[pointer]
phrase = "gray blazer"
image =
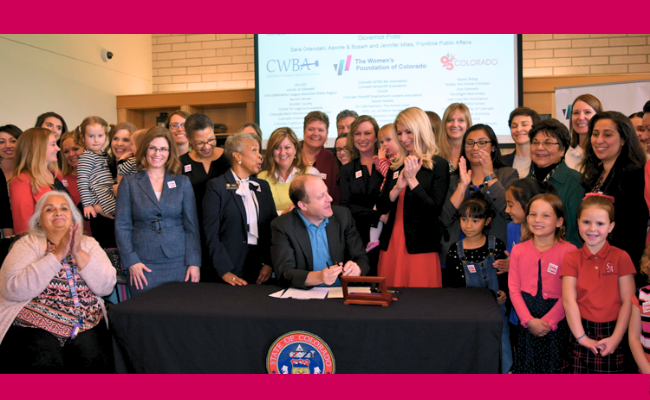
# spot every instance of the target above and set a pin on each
(157, 231)
(496, 194)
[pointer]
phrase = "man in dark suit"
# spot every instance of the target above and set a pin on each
(316, 242)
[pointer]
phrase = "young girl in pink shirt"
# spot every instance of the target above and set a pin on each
(536, 288)
(597, 283)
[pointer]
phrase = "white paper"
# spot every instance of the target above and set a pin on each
(300, 294)
(278, 294)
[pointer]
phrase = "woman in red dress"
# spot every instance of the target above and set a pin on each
(415, 190)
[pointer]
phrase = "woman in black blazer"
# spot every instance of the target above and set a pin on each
(613, 165)
(360, 182)
(237, 212)
(414, 192)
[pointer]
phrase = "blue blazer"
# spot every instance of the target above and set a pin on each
(224, 222)
(157, 231)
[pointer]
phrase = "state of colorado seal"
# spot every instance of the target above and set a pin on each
(299, 352)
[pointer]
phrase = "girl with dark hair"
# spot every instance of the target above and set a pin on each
(52, 121)
(8, 138)
(485, 173)
(613, 165)
(470, 262)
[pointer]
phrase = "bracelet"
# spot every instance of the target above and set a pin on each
(578, 339)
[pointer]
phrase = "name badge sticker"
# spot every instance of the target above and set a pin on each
(646, 307)
(232, 186)
(171, 184)
(188, 168)
(65, 182)
(358, 174)
(323, 176)
(395, 174)
(552, 268)
(471, 269)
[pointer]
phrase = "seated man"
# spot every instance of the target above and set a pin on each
(313, 236)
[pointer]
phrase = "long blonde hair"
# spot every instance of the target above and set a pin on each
(443, 139)
(30, 157)
(277, 137)
(66, 168)
(424, 145)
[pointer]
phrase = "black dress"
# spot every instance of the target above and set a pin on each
(199, 179)
(541, 355)
(359, 191)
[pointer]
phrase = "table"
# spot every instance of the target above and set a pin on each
(218, 328)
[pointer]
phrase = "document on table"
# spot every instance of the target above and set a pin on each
(317, 293)
(301, 294)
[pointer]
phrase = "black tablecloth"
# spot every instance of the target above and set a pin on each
(217, 328)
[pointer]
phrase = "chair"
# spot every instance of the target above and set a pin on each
(121, 287)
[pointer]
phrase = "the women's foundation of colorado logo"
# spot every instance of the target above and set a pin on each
(300, 353)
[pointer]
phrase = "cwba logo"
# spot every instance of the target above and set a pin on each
(290, 65)
(343, 64)
(448, 61)
(567, 111)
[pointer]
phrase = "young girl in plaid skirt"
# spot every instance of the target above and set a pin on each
(597, 284)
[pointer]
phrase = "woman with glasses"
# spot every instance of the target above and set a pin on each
(204, 162)
(342, 153)
(549, 141)
(283, 162)
(156, 227)
(480, 168)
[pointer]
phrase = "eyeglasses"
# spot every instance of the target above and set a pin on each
(545, 144)
(211, 142)
(162, 150)
(176, 125)
(340, 150)
(480, 143)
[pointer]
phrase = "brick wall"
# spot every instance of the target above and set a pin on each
(208, 62)
(547, 55)
(202, 62)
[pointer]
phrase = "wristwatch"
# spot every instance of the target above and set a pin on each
(490, 177)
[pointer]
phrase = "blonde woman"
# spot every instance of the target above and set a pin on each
(35, 173)
(71, 149)
(282, 162)
(455, 122)
(414, 193)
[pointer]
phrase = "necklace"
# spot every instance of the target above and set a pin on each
(157, 180)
